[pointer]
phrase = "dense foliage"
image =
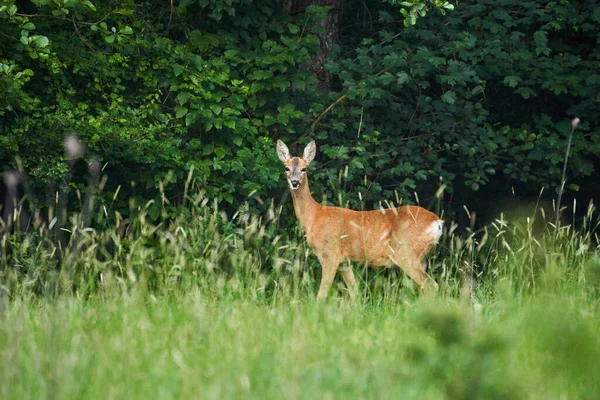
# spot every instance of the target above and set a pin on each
(483, 92)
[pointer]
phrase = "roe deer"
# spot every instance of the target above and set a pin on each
(401, 236)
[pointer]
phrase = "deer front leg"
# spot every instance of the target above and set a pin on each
(348, 276)
(329, 266)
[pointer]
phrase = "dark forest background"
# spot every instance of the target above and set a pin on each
(476, 97)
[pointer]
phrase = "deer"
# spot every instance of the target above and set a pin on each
(398, 236)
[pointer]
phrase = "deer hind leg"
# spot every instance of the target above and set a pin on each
(348, 276)
(414, 267)
(430, 283)
(329, 266)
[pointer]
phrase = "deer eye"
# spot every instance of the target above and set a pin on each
(287, 169)
(303, 169)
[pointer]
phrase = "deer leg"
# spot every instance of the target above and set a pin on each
(329, 266)
(415, 269)
(348, 276)
(430, 283)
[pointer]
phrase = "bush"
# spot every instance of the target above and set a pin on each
(482, 94)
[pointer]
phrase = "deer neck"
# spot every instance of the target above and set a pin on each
(304, 205)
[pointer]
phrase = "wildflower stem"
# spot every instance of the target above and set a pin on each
(574, 125)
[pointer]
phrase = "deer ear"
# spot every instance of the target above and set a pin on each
(282, 151)
(310, 151)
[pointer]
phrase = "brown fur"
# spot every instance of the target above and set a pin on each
(398, 236)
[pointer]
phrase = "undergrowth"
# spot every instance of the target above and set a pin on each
(223, 306)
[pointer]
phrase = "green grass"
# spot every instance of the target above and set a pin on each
(206, 306)
(134, 346)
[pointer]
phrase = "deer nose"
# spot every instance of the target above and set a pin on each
(295, 184)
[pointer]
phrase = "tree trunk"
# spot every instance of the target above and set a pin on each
(328, 37)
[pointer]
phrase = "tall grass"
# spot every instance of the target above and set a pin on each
(211, 305)
(256, 256)
(162, 249)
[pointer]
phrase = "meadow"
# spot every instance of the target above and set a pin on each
(210, 305)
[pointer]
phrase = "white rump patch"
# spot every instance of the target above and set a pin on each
(435, 230)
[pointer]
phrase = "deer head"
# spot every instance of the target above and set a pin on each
(295, 167)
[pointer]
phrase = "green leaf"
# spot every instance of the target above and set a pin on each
(476, 90)
(41, 41)
(403, 77)
(216, 108)
(256, 86)
(386, 79)
(29, 26)
(220, 152)
(182, 98)
(541, 41)
(512, 81)
(293, 28)
(126, 31)
(237, 140)
(354, 163)
(449, 97)
(124, 11)
(180, 111)
(153, 212)
(177, 70)
(89, 4)
(526, 146)
(526, 92)
(190, 118)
